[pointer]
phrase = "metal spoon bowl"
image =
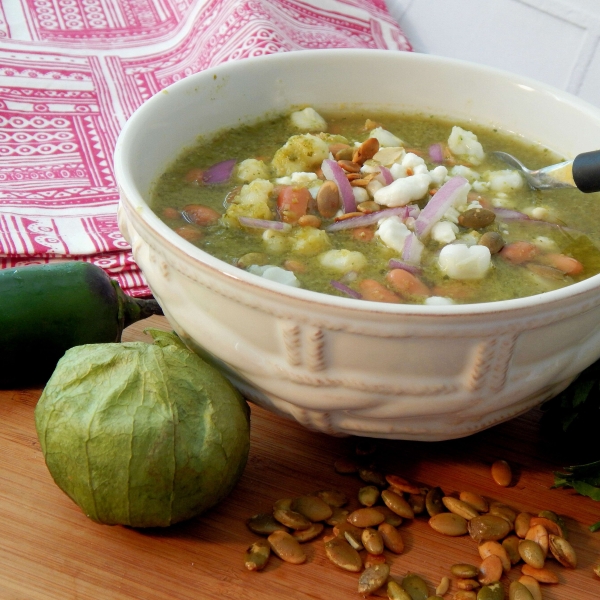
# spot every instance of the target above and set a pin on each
(583, 172)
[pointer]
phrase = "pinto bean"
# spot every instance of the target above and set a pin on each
(375, 291)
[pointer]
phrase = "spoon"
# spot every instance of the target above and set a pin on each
(583, 172)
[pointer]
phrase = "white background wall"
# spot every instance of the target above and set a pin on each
(554, 41)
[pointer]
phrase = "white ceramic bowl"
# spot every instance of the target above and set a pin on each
(345, 366)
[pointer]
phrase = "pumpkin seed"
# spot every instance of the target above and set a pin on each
(372, 540)
(305, 535)
(368, 495)
(517, 591)
(344, 153)
(354, 540)
(398, 504)
(341, 553)
(464, 570)
(291, 518)
(502, 473)
(286, 547)
(448, 524)
(563, 552)
(338, 515)
(328, 203)
(467, 584)
(392, 538)
(479, 503)
(415, 586)
(372, 578)
(264, 524)
(368, 207)
(465, 595)
(491, 592)
(532, 553)
(550, 526)
(365, 517)
(402, 485)
(458, 507)
(396, 592)
(490, 570)
(371, 476)
(488, 527)
(491, 547)
(333, 498)
(502, 510)
(443, 587)
(282, 504)
(312, 507)
(436, 597)
(511, 545)
(532, 585)
(417, 503)
(538, 534)
(596, 570)
(389, 515)
(522, 524)
(257, 555)
(544, 575)
(433, 501)
(340, 530)
(374, 559)
(549, 514)
(367, 150)
(343, 466)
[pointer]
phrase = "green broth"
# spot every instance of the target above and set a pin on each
(578, 212)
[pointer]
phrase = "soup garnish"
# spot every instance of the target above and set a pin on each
(390, 208)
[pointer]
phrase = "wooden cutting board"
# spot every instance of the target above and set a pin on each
(50, 551)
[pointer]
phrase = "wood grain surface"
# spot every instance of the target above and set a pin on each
(50, 551)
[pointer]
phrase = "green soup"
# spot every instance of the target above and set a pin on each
(274, 205)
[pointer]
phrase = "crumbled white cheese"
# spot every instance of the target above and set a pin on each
(398, 171)
(360, 194)
(444, 232)
(462, 171)
(438, 175)
(308, 120)
(412, 160)
(504, 181)
(393, 233)
(460, 261)
(402, 191)
(302, 178)
(385, 137)
(464, 144)
(274, 274)
(343, 260)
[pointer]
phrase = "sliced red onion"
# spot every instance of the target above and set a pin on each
(261, 223)
(333, 172)
(412, 250)
(370, 219)
(507, 214)
(220, 172)
(338, 285)
(440, 202)
(386, 174)
(436, 153)
(399, 264)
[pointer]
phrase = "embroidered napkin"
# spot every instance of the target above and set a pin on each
(73, 71)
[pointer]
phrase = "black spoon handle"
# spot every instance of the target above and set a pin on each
(586, 171)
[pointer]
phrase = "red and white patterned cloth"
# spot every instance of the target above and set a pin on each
(73, 71)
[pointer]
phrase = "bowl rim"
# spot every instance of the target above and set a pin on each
(130, 194)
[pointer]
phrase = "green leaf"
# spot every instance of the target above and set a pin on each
(595, 527)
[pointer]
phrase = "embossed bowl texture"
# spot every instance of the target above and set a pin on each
(339, 365)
